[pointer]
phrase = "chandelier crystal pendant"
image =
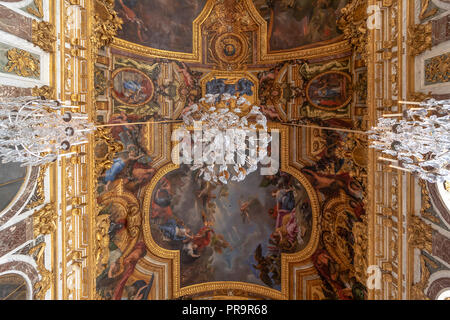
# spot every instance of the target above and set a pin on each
(417, 140)
(233, 138)
(34, 131)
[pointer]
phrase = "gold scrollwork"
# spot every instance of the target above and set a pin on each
(418, 289)
(360, 247)
(130, 207)
(426, 202)
(423, 10)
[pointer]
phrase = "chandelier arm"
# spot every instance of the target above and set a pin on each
(29, 114)
(325, 128)
(134, 123)
(34, 154)
(22, 107)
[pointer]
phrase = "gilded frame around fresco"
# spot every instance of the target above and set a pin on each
(263, 54)
(116, 72)
(350, 97)
(287, 259)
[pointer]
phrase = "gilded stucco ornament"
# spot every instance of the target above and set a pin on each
(426, 203)
(105, 148)
(353, 22)
(127, 206)
(418, 289)
(360, 247)
(420, 234)
(45, 91)
(39, 11)
(419, 38)
(225, 29)
(22, 63)
(334, 227)
(44, 220)
(437, 69)
(39, 196)
(43, 35)
(424, 12)
(41, 287)
(106, 23)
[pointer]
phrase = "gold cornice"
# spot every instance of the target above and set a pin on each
(39, 190)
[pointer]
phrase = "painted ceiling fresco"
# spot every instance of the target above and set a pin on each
(169, 234)
(233, 232)
(160, 24)
(314, 21)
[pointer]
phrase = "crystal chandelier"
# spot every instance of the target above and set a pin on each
(417, 140)
(230, 137)
(34, 131)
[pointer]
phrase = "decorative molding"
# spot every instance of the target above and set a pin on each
(360, 263)
(105, 148)
(424, 4)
